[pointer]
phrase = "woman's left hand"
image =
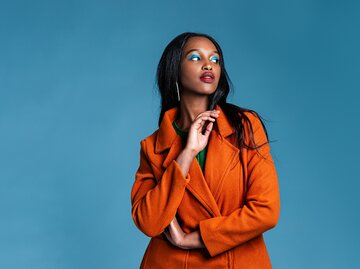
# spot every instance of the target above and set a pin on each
(179, 238)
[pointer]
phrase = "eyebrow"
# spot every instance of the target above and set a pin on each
(198, 50)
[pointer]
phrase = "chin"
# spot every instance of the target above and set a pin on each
(202, 89)
(209, 90)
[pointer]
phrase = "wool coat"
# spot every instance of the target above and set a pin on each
(230, 204)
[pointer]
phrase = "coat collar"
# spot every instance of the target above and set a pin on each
(221, 156)
(167, 135)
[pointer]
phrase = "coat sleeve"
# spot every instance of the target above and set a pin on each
(154, 203)
(261, 209)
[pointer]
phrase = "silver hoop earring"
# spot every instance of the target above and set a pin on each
(177, 89)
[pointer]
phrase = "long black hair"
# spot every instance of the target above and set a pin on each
(167, 75)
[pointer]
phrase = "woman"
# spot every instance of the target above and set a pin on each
(206, 188)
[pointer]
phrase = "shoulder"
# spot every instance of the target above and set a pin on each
(253, 127)
(147, 150)
(253, 118)
(149, 141)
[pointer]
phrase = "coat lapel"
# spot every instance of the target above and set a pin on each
(220, 155)
(220, 158)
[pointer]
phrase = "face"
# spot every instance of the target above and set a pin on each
(199, 56)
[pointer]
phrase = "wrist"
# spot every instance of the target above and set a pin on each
(191, 153)
(193, 240)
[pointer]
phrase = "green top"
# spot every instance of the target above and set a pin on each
(201, 155)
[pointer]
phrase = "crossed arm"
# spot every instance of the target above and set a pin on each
(179, 238)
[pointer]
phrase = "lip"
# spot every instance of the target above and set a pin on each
(209, 79)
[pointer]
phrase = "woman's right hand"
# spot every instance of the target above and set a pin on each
(197, 141)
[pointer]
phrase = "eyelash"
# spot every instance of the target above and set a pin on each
(195, 56)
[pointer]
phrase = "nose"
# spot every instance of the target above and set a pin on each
(207, 66)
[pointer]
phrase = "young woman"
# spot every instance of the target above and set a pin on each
(206, 188)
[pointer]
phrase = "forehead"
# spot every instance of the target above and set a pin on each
(199, 43)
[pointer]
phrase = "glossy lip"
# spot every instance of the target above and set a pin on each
(207, 80)
(207, 74)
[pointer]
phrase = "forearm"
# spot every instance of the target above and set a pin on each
(193, 240)
(223, 233)
(155, 205)
(185, 159)
(179, 238)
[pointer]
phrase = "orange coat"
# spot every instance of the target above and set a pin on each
(230, 218)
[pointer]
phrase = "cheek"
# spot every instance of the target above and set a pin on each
(217, 69)
(188, 74)
(218, 74)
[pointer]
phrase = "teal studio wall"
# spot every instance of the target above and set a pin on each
(78, 93)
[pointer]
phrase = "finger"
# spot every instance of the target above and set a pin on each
(209, 113)
(208, 129)
(199, 124)
(203, 119)
(207, 118)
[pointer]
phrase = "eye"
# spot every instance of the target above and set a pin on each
(215, 59)
(193, 56)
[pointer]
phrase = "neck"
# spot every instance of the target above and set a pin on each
(190, 107)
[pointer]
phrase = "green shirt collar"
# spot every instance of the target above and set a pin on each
(179, 131)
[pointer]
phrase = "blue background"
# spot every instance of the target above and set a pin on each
(77, 94)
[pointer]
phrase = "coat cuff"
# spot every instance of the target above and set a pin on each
(210, 238)
(179, 173)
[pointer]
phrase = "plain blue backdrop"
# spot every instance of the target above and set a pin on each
(78, 93)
